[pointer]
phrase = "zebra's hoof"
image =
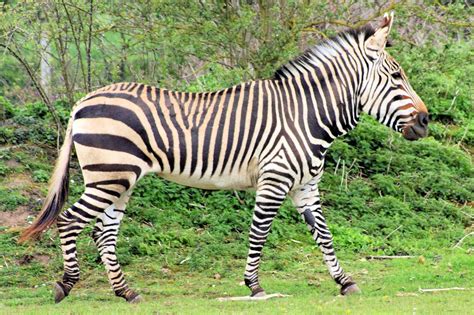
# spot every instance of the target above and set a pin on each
(257, 292)
(350, 289)
(136, 300)
(59, 292)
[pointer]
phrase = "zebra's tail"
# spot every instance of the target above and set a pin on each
(57, 192)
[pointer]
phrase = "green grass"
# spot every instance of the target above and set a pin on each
(389, 286)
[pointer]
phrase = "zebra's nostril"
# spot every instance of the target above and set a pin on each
(423, 119)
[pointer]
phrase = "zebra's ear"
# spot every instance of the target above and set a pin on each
(378, 40)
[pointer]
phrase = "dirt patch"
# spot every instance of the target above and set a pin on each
(12, 163)
(14, 218)
(27, 259)
(19, 181)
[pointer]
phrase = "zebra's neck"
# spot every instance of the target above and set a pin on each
(329, 79)
(325, 89)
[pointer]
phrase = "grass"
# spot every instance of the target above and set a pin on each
(389, 286)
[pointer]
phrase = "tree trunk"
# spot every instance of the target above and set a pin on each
(45, 66)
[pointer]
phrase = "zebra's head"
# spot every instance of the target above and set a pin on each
(387, 95)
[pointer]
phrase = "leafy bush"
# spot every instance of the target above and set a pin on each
(6, 109)
(4, 169)
(41, 176)
(10, 199)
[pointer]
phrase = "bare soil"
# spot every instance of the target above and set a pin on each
(19, 181)
(27, 259)
(12, 163)
(15, 218)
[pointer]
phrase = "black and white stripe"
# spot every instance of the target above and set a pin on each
(269, 135)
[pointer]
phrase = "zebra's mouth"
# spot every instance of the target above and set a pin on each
(417, 130)
(414, 133)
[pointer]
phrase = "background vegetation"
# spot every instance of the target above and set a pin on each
(381, 194)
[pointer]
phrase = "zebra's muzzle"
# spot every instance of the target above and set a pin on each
(417, 130)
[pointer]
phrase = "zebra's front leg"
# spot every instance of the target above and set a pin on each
(308, 204)
(269, 197)
(105, 235)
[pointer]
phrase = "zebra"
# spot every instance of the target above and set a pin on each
(268, 135)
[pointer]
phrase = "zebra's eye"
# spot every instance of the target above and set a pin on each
(397, 74)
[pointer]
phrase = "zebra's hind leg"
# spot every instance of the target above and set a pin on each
(105, 235)
(71, 222)
(308, 204)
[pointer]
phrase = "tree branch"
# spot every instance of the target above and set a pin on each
(39, 88)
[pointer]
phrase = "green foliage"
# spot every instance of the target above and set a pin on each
(6, 108)
(4, 169)
(32, 122)
(11, 199)
(40, 176)
(378, 182)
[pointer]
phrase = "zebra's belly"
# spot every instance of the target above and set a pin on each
(243, 178)
(216, 182)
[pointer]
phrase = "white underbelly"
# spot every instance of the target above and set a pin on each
(216, 182)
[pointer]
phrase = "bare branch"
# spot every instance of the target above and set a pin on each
(442, 289)
(253, 298)
(458, 244)
(389, 257)
(88, 45)
(39, 88)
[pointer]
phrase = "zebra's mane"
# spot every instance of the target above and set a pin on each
(330, 45)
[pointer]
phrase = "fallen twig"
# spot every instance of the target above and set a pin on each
(458, 244)
(442, 289)
(403, 294)
(389, 234)
(389, 257)
(467, 214)
(5, 261)
(5, 148)
(238, 198)
(252, 298)
(184, 260)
